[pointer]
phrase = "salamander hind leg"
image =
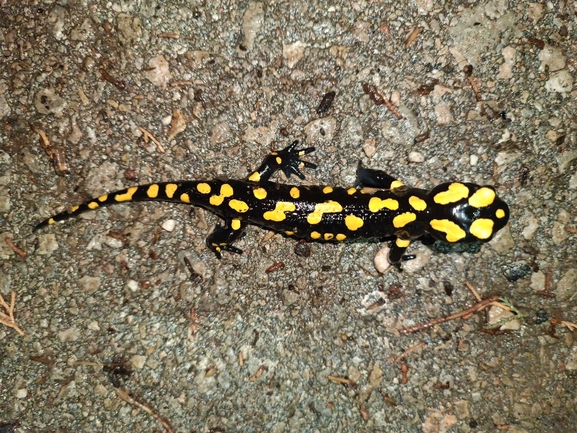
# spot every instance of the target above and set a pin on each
(222, 238)
(287, 160)
(367, 177)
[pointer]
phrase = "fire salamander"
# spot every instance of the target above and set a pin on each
(378, 207)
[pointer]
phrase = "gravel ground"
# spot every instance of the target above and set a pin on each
(128, 302)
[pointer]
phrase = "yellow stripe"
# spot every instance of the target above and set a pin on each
(483, 197)
(127, 196)
(376, 204)
(403, 219)
(326, 207)
(453, 231)
(417, 203)
(454, 193)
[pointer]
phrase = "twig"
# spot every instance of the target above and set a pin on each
(571, 326)
(124, 395)
(412, 37)
(45, 140)
(378, 98)
(8, 319)
(168, 35)
(474, 309)
(149, 136)
(404, 374)
(473, 290)
(342, 380)
(409, 351)
(180, 83)
(14, 248)
(468, 70)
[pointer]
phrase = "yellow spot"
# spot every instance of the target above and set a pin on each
(103, 198)
(255, 177)
(185, 198)
(278, 214)
(327, 189)
(482, 197)
(353, 222)
(259, 193)
(51, 221)
(235, 224)
(295, 193)
(93, 205)
(315, 235)
(500, 213)
(351, 191)
(238, 205)
(453, 231)
(326, 207)
(203, 188)
(341, 237)
(278, 160)
(329, 236)
(417, 203)
(127, 196)
(216, 200)
(152, 191)
(482, 228)
(289, 233)
(225, 191)
(401, 243)
(403, 219)
(170, 189)
(396, 184)
(376, 204)
(74, 208)
(456, 192)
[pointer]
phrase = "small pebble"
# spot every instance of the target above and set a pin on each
(416, 157)
(132, 285)
(381, 260)
(138, 361)
(169, 225)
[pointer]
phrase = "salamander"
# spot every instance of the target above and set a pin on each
(378, 207)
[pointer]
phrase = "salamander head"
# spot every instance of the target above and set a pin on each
(466, 212)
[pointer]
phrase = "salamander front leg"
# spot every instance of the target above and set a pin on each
(397, 253)
(222, 238)
(287, 160)
(367, 177)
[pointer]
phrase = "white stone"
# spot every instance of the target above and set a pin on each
(158, 72)
(132, 285)
(560, 81)
(381, 260)
(252, 22)
(443, 113)
(552, 59)
(416, 157)
(138, 361)
(169, 225)
(293, 53)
